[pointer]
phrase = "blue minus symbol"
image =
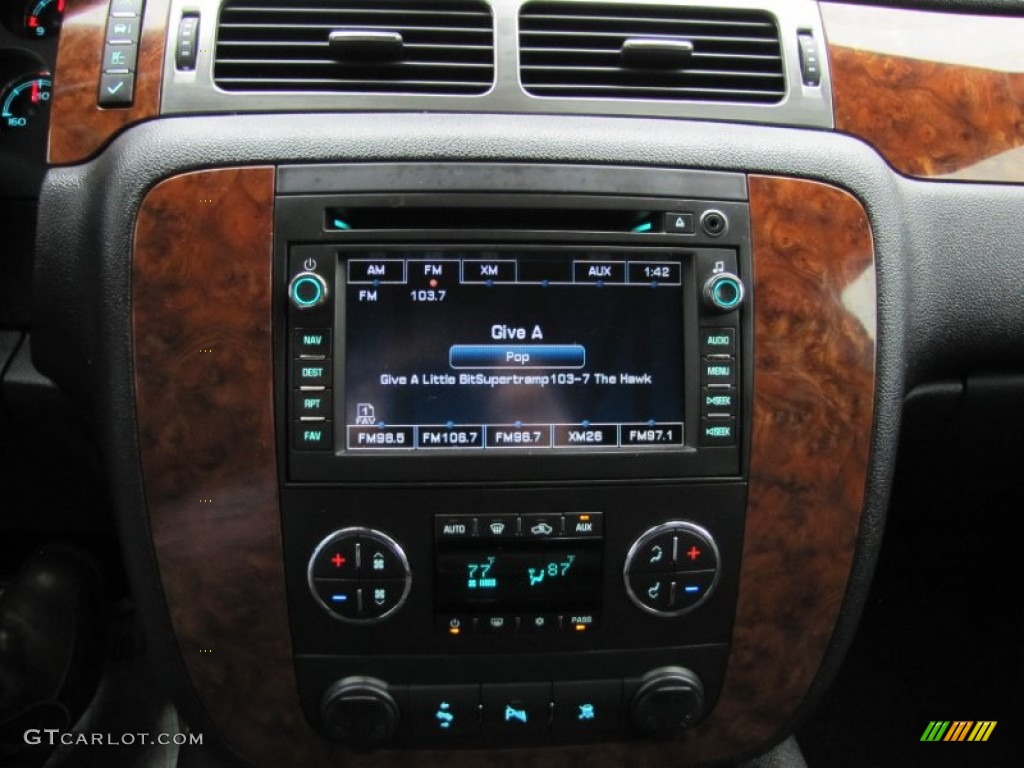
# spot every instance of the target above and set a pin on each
(691, 589)
(339, 598)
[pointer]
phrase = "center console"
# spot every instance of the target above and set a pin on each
(512, 446)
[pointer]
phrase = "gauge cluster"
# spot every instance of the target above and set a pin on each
(28, 51)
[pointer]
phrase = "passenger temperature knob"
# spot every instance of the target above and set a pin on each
(668, 699)
(307, 290)
(359, 712)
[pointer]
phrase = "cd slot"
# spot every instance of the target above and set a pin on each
(376, 218)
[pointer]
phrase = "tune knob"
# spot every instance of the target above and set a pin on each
(723, 292)
(668, 699)
(359, 712)
(307, 290)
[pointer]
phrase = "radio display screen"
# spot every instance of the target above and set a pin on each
(512, 351)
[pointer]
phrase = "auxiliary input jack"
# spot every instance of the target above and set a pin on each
(714, 223)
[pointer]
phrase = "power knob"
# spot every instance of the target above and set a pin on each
(359, 712)
(723, 292)
(668, 699)
(307, 290)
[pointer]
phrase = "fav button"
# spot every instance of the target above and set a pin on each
(311, 436)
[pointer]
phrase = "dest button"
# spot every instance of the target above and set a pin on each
(516, 708)
(442, 712)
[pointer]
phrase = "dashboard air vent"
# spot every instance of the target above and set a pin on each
(659, 52)
(338, 46)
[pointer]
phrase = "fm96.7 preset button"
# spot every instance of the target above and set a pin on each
(671, 569)
(359, 575)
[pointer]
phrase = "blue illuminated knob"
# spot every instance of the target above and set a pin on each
(307, 290)
(723, 292)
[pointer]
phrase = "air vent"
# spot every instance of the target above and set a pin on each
(659, 52)
(317, 46)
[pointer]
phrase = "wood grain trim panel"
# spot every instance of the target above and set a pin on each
(814, 388)
(930, 117)
(202, 281)
(78, 125)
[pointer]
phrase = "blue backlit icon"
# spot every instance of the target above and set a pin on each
(444, 716)
(536, 576)
(513, 715)
(586, 712)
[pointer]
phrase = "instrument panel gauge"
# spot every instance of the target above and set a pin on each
(24, 100)
(42, 18)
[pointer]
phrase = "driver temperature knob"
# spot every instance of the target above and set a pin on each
(668, 699)
(359, 712)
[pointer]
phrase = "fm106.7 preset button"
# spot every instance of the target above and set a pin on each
(671, 569)
(359, 575)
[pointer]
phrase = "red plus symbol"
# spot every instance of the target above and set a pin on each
(693, 553)
(338, 560)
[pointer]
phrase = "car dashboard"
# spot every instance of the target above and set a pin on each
(503, 381)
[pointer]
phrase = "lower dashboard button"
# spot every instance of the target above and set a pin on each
(516, 709)
(444, 712)
(592, 706)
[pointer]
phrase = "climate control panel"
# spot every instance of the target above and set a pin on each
(481, 615)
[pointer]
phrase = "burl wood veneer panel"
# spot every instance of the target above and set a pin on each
(937, 94)
(78, 125)
(202, 309)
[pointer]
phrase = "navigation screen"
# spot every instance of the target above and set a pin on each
(526, 351)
